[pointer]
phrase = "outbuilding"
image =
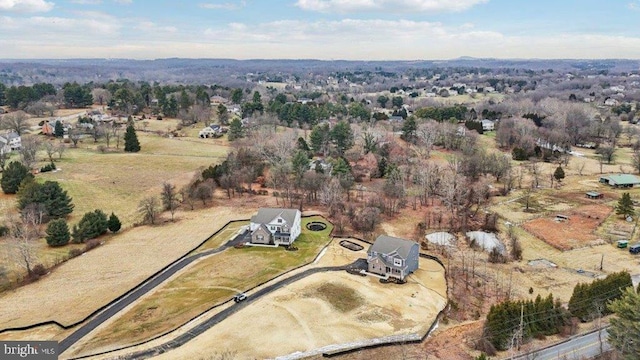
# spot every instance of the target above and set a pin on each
(620, 180)
(594, 195)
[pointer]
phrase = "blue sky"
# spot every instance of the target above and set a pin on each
(320, 29)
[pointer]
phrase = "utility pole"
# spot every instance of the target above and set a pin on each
(521, 329)
(601, 262)
(516, 339)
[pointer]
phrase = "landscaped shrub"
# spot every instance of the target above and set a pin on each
(91, 244)
(39, 270)
(48, 167)
(75, 252)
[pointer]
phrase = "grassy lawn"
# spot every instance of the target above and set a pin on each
(226, 234)
(210, 281)
(115, 181)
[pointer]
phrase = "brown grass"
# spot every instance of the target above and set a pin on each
(576, 232)
(385, 309)
(342, 298)
(94, 279)
(210, 281)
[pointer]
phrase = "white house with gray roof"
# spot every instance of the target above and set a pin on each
(271, 226)
(393, 257)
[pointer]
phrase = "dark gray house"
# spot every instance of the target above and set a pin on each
(393, 257)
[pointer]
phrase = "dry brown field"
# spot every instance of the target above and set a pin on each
(97, 277)
(577, 231)
(325, 309)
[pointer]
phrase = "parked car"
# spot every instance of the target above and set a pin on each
(240, 297)
(622, 244)
(634, 249)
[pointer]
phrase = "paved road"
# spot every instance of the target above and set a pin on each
(583, 347)
(222, 315)
(134, 295)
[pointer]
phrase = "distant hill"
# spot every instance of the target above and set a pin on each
(224, 71)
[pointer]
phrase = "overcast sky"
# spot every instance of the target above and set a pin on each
(320, 29)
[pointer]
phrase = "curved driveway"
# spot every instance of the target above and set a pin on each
(217, 318)
(134, 295)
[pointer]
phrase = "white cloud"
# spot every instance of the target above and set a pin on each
(223, 6)
(125, 2)
(94, 34)
(45, 29)
(25, 6)
(87, 2)
(395, 6)
(151, 27)
(634, 5)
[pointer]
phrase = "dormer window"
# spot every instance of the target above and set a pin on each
(279, 221)
(397, 262)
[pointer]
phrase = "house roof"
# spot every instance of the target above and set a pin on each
(387, 244)
(622, 179)
(266, 215)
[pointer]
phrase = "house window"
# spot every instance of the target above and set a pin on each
(279, 221)
(397, 262)
(260, 238)
(273, 228)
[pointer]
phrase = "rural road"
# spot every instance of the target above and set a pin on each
(582, 347)
(222, 315)
(134, 295)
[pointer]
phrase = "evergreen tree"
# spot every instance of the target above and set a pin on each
(319, 138)
(56, 201)
(587, 300)
(12, 176)
(299, 165)
(58, 130)
(624, 332)
(342, 137)
(92, 225)
(236, 131)
(558, 174)
(302, 145)
(131, 143)
(409, 129)
(113, 224)
(58, 233)
(625, 205)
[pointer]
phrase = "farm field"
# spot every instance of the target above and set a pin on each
(208, 282)
(115, 182)
(577, 231)
(111, 269)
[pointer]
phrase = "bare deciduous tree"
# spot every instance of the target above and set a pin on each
(50, 148)
(101, 96)
(204, 191)
(60, 149)
(75, 136)
(149, 210)
(16, 122)
(29, 150)
(22, 245)
(169, 198)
